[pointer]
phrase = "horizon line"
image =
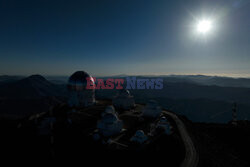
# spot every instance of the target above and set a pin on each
(137, 75)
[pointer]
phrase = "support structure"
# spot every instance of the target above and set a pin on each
(234, 114)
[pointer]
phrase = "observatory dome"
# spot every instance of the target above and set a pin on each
(165, 125)
(163, 120)
(79, 96)
(78, 81)
(139, 137)
(109, 125)
(123, 100)
(124, 92)
(109, 110)
(109, 118)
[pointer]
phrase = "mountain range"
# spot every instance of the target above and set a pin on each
(22, 96)
(200, 98)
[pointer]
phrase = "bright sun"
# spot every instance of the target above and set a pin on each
(204, 26)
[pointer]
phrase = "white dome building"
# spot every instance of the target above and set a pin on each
(164, 124)
(123, 100)
(152, 109)
(109, 125)
(109, 110)
(79, 96)
(139, 137)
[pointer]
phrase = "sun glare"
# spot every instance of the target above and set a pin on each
(204, 26)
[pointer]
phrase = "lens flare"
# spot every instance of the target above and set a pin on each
(204, 26)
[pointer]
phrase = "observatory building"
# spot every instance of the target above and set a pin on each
(152, 109)
(123, 100)
(109, 110)
(139, 137)
(164, 124)
(109, 124)
(79, 96)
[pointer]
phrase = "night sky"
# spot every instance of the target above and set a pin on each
(141, 37)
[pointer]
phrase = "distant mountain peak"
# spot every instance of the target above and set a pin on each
(35, 80)
(36, 77)
(34, 86)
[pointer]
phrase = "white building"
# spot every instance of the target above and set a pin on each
(152, 109)
(139, 137)
(79, 96)
(109, 124)
(123, 100)
(109, 110)
(164, 124)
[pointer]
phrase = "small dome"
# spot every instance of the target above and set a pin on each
(139, 137)
(163, 119)
(139, 133)
(123, 100)
(109, 125)
(165, 125)
(109, 110)
(78, 81)
(124, 92)
(109, 118)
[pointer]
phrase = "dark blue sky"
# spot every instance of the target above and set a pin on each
(105, 37)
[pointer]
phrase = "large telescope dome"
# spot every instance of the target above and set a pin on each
(78, 81)
(79, 96)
